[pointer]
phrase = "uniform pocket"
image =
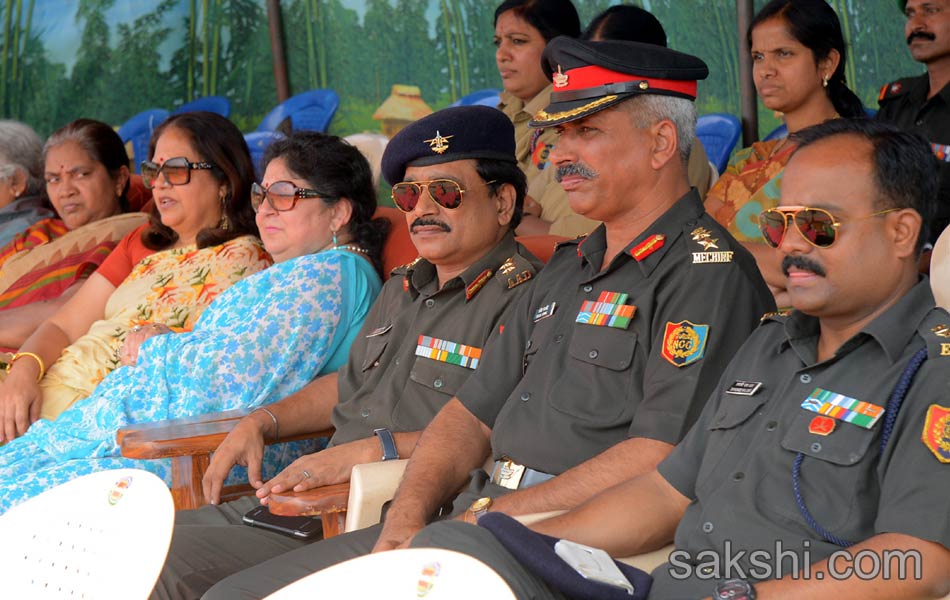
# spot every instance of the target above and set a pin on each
(597, 383)
(442, 377)
(376, 343)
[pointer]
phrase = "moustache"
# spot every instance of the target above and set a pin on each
(427, 222)
(922, 35)
(578, 169)
(800, 262)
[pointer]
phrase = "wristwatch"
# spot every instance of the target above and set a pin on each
(734, 589)
(388, 443)
(478, 508)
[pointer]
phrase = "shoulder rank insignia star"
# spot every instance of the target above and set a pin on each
(508, 266)
(647, 247)
(684, 343)
(439, 143)
(941, 330)
(560, 78)
(775, 313)
(936, 434)
(703, 237)
(477, 284)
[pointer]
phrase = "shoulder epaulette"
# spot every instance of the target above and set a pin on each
(403, 269)
(514, 271)
(935, 329)
(891, 90)
(708, 249)
(777, 315)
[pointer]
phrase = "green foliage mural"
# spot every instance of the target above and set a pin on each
(110, 59)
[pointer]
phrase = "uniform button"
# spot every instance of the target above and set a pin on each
(805, 378)
(558, 338)
(437, 383)
(365, 412)
(816, 447)
(771, 426)
(430, 302)
(525, 396)
(706, 570)
(738, 476)
(396, 361)
(690, 223)
(708, 527)
(376, 363)
(588, 288)
(527, 346)
(919, 123)
(593, 354)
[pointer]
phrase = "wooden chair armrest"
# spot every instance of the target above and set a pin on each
(327, 502)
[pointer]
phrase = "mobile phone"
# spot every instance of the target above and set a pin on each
(299, 527)
(592, 563)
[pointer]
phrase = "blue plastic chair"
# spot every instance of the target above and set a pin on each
(138, 130)
(216, 104)
(719, 134)
(312, 111)
(487, 97)
(257, 143)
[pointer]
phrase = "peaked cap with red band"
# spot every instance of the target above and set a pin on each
(591, 76)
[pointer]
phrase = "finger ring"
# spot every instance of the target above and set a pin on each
(137, 329)
(306, 474)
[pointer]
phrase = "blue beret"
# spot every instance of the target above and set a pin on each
(455, 133)
(590, 76)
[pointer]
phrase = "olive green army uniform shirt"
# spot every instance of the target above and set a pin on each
(558, 389)
(736, 463)
(421, 342)
(904, 104)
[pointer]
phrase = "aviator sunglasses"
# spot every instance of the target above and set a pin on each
(445, 192)
(177, 171)
(818, 226)
(281, 195)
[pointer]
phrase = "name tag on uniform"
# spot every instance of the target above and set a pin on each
(610, 310)
(545, 311)
(448, 352)
(744, 388)
(843, 408)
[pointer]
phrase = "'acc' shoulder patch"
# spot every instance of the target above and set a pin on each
(936, 434)
(684, 343)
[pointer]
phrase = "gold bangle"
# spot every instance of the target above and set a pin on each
(35, 357)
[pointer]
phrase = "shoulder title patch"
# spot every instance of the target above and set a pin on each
(936, 434)
(684, 343)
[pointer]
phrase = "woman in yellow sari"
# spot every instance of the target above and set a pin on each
(201, 238)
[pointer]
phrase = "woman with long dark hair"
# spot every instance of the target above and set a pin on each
(798, 61)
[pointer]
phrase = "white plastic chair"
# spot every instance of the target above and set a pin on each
(103, 535)
(429, 573)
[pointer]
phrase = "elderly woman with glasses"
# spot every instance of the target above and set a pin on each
(262, 339)
(22, 201)
(201, 238)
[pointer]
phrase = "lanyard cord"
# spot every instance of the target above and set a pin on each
(890, 417)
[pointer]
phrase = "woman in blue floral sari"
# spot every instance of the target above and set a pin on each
(262, 339)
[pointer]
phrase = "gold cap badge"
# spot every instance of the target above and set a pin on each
(560, 79)
(439, 143)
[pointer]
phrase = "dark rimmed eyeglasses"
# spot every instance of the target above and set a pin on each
(818, 226)
(177, 171)
(281, 195)
(444, 192)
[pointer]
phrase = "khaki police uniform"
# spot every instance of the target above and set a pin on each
(560, 392)
(736, 463)
(904, 104)
(391, 380)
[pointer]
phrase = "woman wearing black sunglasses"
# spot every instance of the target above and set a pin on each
(201, 239)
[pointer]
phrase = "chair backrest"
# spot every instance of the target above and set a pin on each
(257, 143)
(216, 104)
(487, 97)
(430, 573)
(940, 270)
(398, 249)
(719, 133)
(312, 110)
(372, 146)
(103, 535)
(138, 130)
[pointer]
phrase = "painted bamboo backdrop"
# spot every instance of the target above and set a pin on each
(128, 55)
